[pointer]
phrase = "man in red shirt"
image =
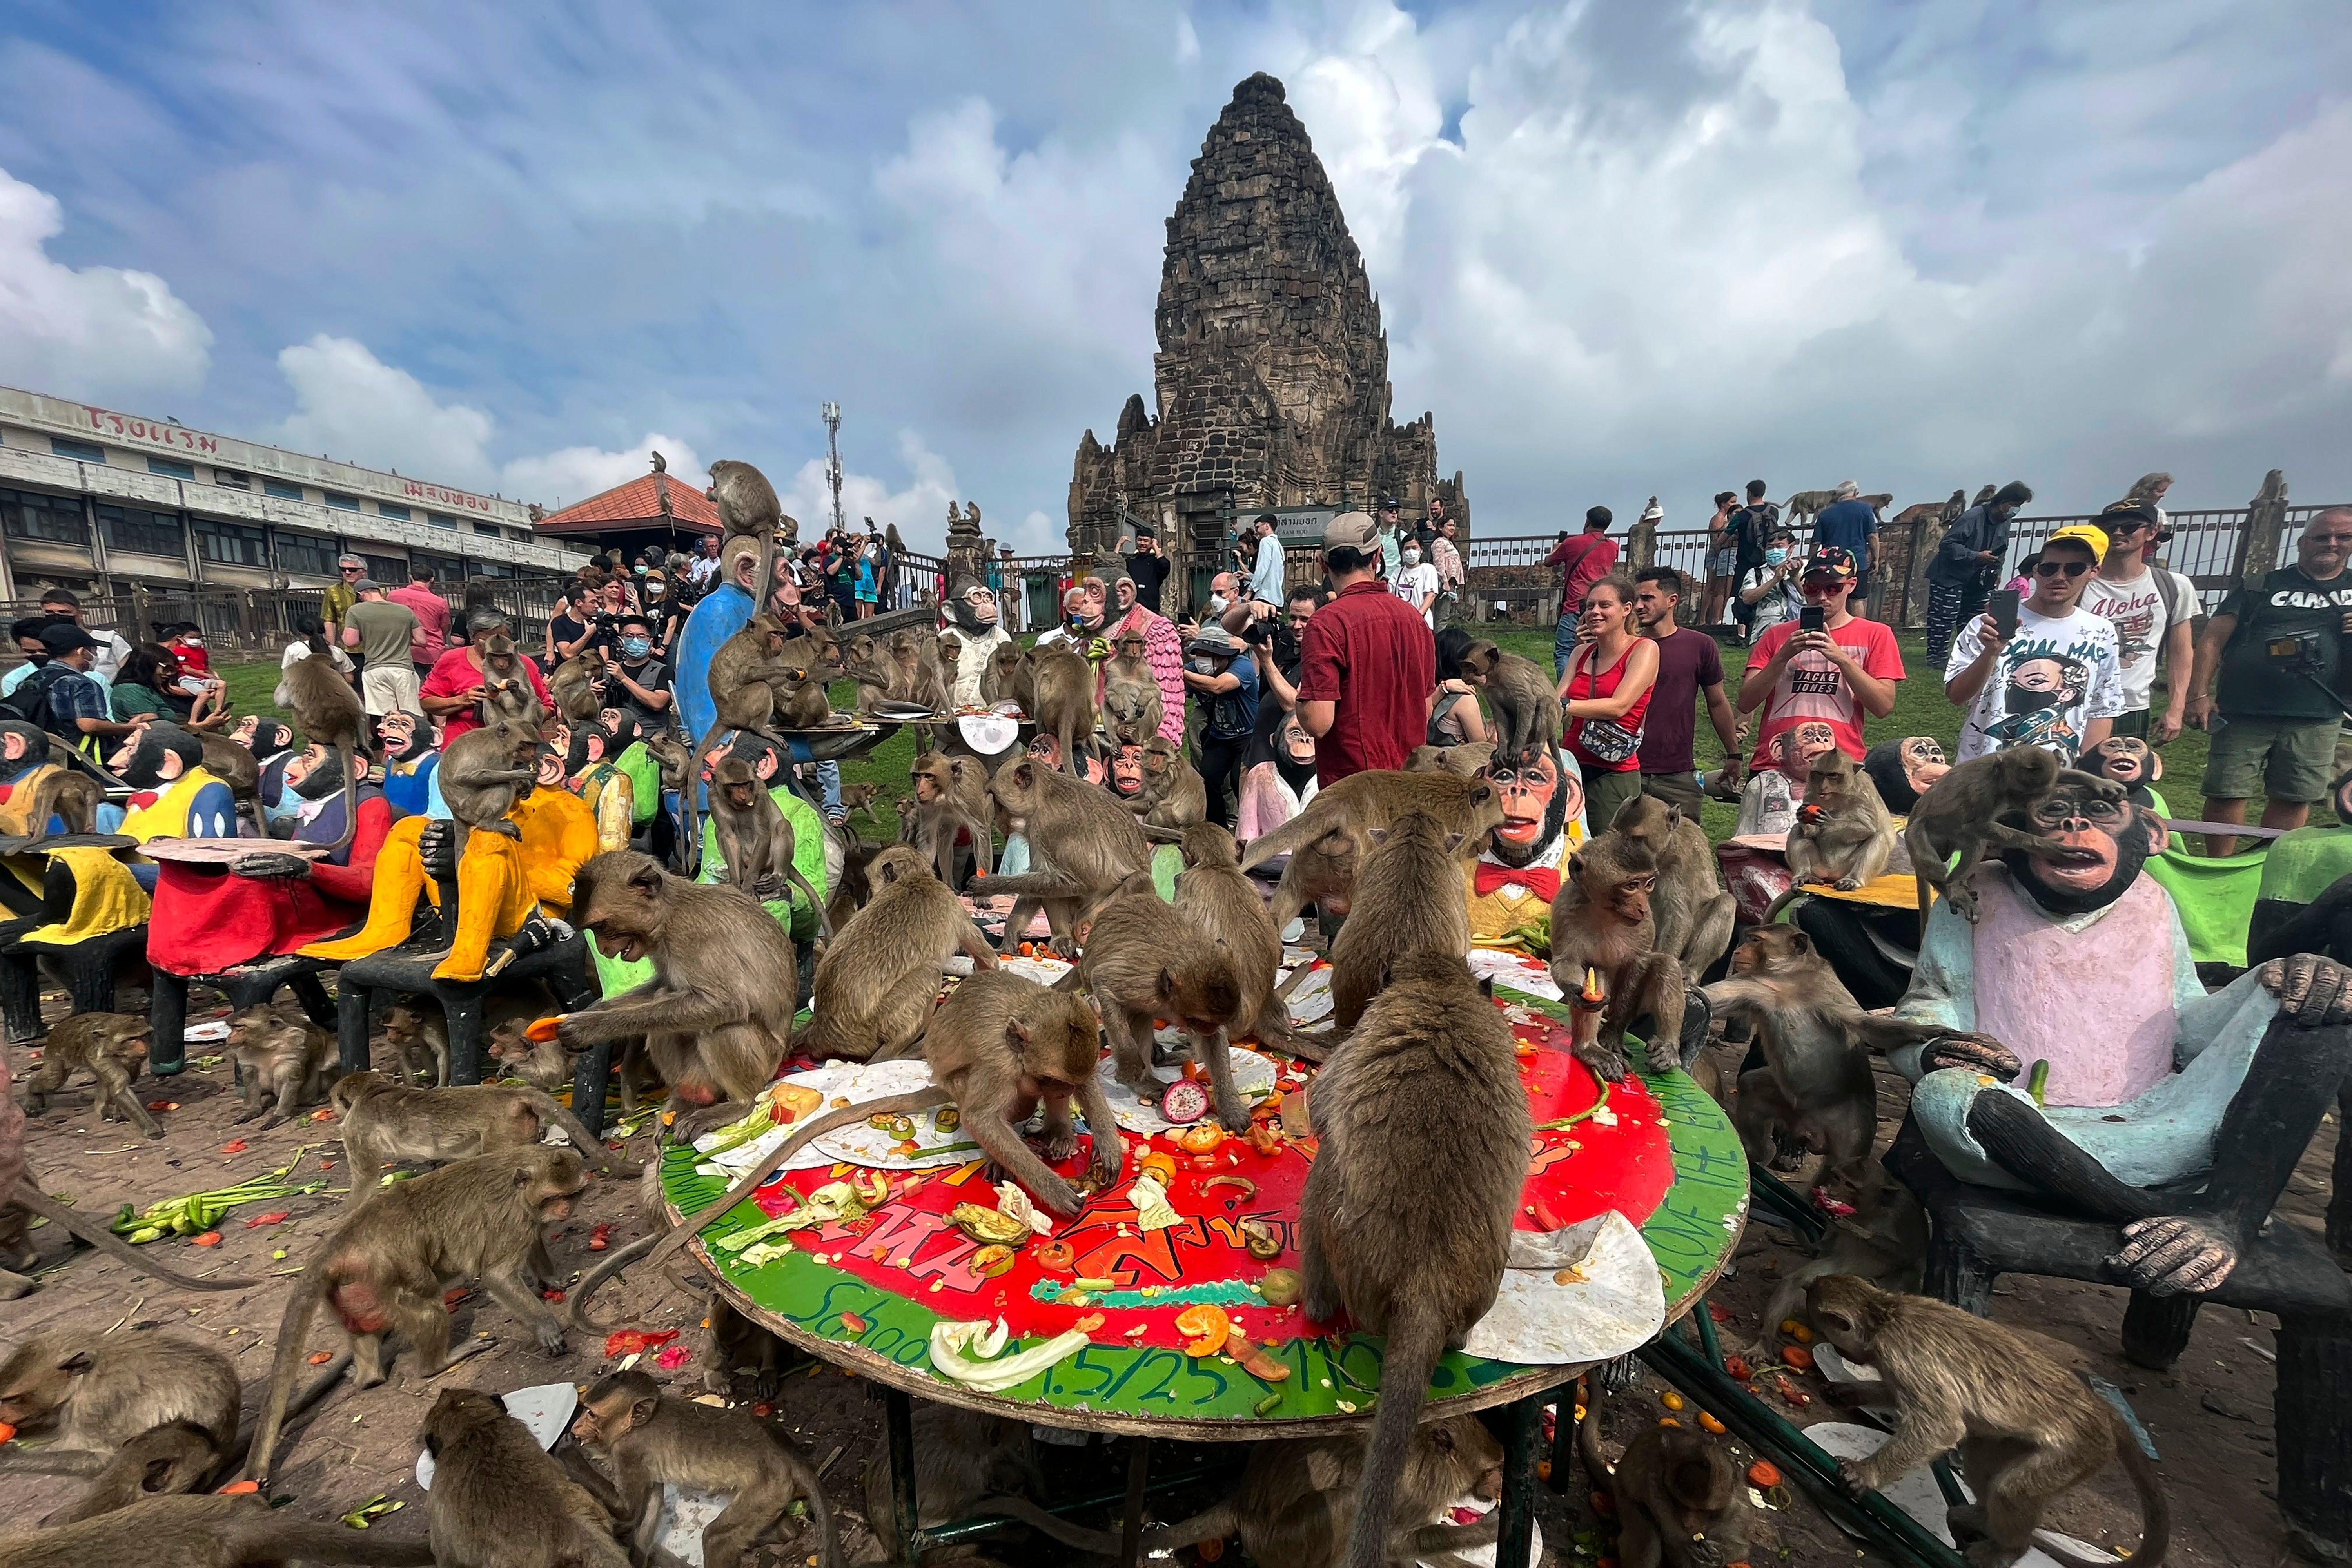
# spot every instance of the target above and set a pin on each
(1833, 678)
(427, 644)
(1367, 661)
(1583, 561)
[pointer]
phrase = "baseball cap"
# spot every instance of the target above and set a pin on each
(1390, 503)
(2093, 540)
(1352, 530)
(1831, 559)
(2128, 511)
(65, 637)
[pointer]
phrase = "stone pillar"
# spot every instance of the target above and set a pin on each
(2258, 545)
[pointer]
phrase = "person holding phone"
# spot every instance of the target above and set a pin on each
(2053, 677)
(1837, 670)
(1966, 563)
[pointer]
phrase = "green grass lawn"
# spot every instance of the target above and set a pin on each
(1919, 709)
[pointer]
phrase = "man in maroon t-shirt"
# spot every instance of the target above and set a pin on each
(1367, 662)
(1690, 670)
(1581, 562)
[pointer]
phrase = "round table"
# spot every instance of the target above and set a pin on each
(864, 1295)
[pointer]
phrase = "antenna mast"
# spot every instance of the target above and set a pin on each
(832, 412)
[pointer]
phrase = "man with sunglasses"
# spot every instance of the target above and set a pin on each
(1834, 676)
(341, 595)
(2055, 682)
(2150, 613)
(2278, 735)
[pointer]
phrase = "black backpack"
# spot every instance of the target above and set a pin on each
(29, 704)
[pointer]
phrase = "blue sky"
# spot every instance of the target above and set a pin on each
(1623, 248)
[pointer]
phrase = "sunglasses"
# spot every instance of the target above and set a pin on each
(347, 571)
(2052, 568)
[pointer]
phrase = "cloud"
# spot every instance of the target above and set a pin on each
(918, 510)
(351, 406)
(102, 332)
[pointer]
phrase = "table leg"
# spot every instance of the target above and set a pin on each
(1130, 1524)
(898, 1417)
(1565, 1420)
(1522, 1424)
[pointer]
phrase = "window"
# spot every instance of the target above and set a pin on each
(231, 543)
(171, 469)
(397, 513)
(57, 519)
(446, 568)
(488, 531)
(481, 568)
(342, 502)
(231, 479)
(441, 520)
(306, 553)
(281, 489)
(390, 570)
(143, 533)
(79, 451)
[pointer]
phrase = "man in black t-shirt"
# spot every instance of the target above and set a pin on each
(1750, 526)
(2276, 734)
(1148, 568)
(639, 685)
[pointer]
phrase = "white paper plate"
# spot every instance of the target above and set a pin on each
(216, 1030)
(1254, 1077)
(1515, 970)
(1311, 1002)
(1618, 1306)
(837, 1080)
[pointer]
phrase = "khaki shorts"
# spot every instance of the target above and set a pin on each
(2279, 760)
(392, 688)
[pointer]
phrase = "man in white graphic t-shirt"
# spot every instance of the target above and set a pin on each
(2151, 614)
(2053, 682)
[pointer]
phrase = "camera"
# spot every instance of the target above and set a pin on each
(2296, 653)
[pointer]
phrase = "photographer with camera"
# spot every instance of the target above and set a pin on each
(2279, 651)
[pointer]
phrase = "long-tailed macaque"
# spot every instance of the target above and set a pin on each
(328, 711)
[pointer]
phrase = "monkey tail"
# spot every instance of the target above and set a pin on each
(576, 1308)
(293, 1329)
(1061, 1530)
(823, 922)
(329, 1375)
(1214, 1524)
(113, 1246)
(913, 1099)
(1290, 836)
(1415, 1342)
(592, 1148)
(2155, 1511)
(1773, 911)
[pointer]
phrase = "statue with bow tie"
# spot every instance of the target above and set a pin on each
(1510, 885)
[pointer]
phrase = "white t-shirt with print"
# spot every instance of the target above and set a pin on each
(2135, 607)
(1414, 583)
(2057, 674)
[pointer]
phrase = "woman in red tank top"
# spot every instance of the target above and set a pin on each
(1605, 691)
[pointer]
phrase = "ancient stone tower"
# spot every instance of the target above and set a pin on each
(1272, 374)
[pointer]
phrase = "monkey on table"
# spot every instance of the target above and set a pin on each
(206, 1532)
(1145, 961)
(1693, 913)
(386, 1266)
(1215, 894)
(875, 985)
(650, 1439)
(1082, 844)
(499, 1501)
(1428, 1082)
(999, 1046)
(1411, 887)
(755, 840)
(950, 801)
(1600, 922)
(1327, 840)
(112, 1048)
(717, 1012)
(2027, 1429)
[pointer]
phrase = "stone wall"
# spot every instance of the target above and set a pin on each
(1271, 381)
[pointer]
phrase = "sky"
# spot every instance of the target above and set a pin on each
(1622, 248)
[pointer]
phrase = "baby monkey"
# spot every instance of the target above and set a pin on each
(754, 839)
(112, 1048)
(2026, 1428)
(1962, 815)
(649, 1440)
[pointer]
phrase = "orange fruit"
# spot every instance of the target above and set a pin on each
(1764, 1473)
(1208, 1327)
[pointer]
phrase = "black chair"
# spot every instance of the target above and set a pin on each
(1981, 1232)
(246, 986)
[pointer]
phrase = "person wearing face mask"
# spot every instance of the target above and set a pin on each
(1415, 582)
(1771, 591)
(640, 685)
(661, 612)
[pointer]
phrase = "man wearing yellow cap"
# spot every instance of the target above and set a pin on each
(2055, 681)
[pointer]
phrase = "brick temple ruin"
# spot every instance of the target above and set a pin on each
(1272, 375)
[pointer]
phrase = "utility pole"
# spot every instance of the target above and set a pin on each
(832, 412)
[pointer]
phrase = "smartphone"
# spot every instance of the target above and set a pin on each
(1812, 618)
(2004, 610)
